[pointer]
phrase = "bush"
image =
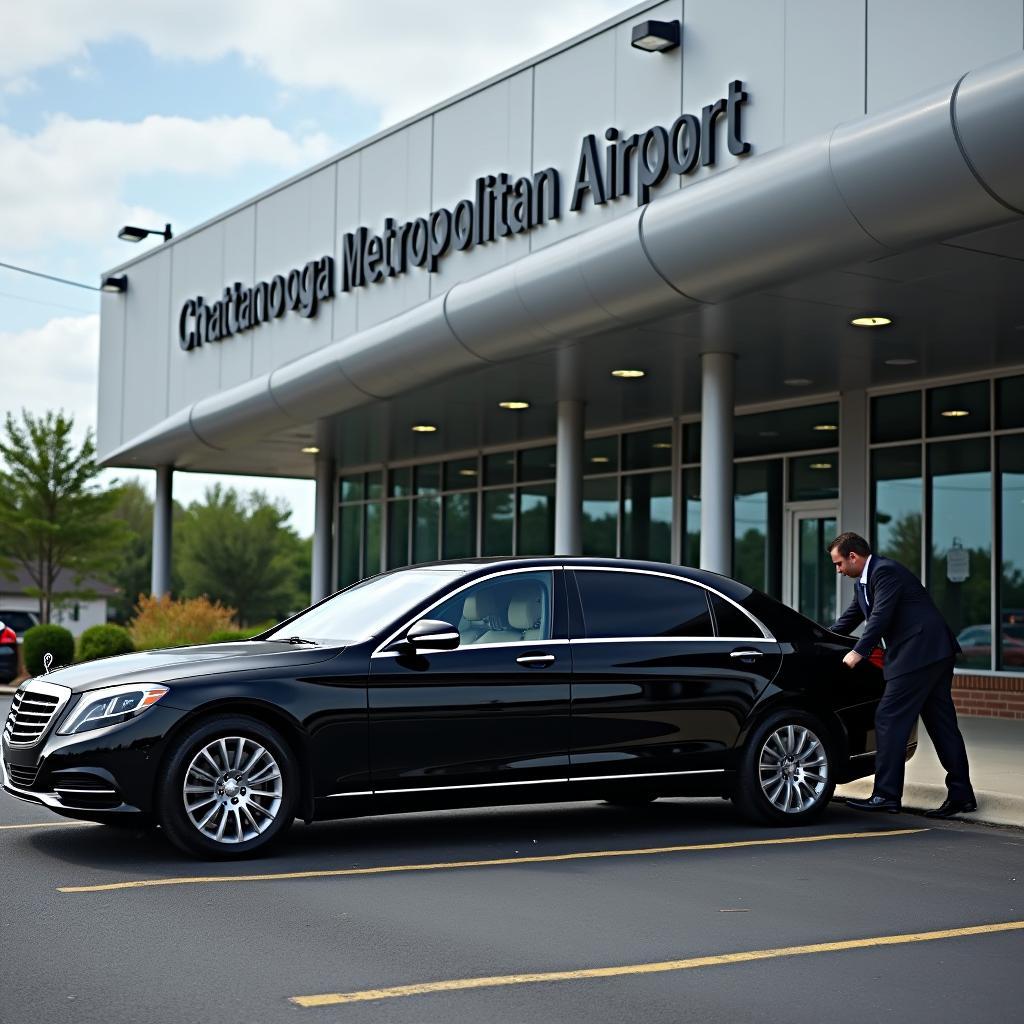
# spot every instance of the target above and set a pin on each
(104, 642)
(40, 640)
(164, 622)
(229, 636)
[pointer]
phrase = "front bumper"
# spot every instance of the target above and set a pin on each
(100, 776)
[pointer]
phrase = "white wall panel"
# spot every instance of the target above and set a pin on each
(486, 133)
(110, 397)
(147, 333)
(824, 65)
(346, 304)
(293, 226)
(916, 44)
(239, 256)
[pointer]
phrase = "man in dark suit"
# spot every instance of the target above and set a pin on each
(918, 669)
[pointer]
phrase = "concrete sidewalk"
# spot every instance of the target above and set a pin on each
(995, 748)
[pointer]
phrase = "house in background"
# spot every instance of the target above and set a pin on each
(75, 614)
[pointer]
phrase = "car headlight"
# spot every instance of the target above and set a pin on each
(111, 705)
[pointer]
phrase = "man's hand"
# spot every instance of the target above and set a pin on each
(853, 659)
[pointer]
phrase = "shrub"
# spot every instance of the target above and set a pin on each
(228, 636)
(164, 622)
(104, 642)
(40, 640)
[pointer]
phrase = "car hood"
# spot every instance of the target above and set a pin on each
(174, 663)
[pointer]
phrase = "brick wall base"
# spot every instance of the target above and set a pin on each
(989, 696)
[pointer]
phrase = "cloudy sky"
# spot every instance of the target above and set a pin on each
(117, 112)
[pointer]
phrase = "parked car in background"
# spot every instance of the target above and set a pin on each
(489, 681)
(14, 623)
(976, 643)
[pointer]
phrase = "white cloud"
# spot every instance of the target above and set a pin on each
(56, 369)
(18, 86)
(400, 56)
(66, 182)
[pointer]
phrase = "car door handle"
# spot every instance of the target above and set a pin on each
(535, 659)
(746, 654)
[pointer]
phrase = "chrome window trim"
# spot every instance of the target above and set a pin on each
(673, 639)
(379, 650)
(469, 785)
(766, 633)
(475, 647)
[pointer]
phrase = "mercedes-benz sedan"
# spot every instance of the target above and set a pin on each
(457, 684)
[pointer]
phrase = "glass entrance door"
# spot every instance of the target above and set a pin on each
(813, 585)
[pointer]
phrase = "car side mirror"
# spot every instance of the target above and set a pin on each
(434, 634)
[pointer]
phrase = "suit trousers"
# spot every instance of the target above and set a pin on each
(926, 692)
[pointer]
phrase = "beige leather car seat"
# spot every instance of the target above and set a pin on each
(479, 612)
(525, 611)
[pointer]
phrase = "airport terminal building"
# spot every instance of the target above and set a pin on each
(706, 284)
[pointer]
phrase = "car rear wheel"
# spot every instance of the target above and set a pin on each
(229, 789)
(786, 774)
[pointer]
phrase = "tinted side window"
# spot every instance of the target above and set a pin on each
(731, 621)
(628, 604)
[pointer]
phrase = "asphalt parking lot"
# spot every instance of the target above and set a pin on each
(573, 912)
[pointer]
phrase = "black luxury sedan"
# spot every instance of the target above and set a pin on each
(458, 684)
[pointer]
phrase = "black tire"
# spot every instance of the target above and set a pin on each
(786, 792)
(251, 822)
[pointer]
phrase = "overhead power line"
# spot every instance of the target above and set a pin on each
(49, 277)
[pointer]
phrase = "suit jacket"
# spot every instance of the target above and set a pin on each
(899, 610)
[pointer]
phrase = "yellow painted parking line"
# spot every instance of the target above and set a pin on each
(50, 824)
(147, 883)
(717, 960)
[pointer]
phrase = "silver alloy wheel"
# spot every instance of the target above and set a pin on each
(793, 769)
(233, 790)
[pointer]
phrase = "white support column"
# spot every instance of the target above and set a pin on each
(163, 509)
(325, 475)
(569, 478)
(718, 371)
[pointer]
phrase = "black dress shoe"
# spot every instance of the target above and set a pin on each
(950, 807)
(875, 803)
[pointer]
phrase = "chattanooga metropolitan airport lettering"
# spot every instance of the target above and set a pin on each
(500, 206)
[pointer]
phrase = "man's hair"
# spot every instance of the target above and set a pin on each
(850, 542)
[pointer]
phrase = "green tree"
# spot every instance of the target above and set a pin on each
(240, 551)
(132, 573)
(53, 514)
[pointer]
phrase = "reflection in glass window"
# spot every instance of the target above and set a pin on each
(691, 517)
(348, 544)
(647, 516)
(537, 463)
(896, 417)
(814, 477)
(787, 430)
(620, 605)
(374, 515)
(460, 474)
(960, 542)
(508, 609)
(499, 468)
(425, 526)
(398, 533)
(459, 525)
(536, 519)
(1011, 580)
(647, 449)
(600, 516)
(351, 488)
(896, 496)
(730, 621)
(1010, 402)
(958, 409)
(497, 524)
(427, 478)
(601, 454)
(757, 555)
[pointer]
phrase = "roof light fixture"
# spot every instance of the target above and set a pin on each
(115, 283)
(821, 465)
(826, 426)
(955, 413)
(870, 321)
(655, 36)
(424, 428)
(311, 450)
(514, 405)
(130, 233)
(629, 374)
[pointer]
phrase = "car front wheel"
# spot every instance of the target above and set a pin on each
(229, 789)
(786, 774)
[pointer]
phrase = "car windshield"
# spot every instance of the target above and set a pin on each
(367, 608)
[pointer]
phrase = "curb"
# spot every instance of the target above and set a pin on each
(993, 808)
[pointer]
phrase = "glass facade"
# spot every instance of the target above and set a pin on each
(950, 505)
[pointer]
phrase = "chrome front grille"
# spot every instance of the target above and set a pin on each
(21, 775)
(34, 707)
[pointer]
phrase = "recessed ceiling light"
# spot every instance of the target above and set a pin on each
(871, 321)
(821, 465)
(662, 444)
(467, 472)
(311, 450)
(514, 405)
(629, 374)
(797, 382)
(826, 426)
(599, 458)
(900, 362)
(955, 413)
(424, 428)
